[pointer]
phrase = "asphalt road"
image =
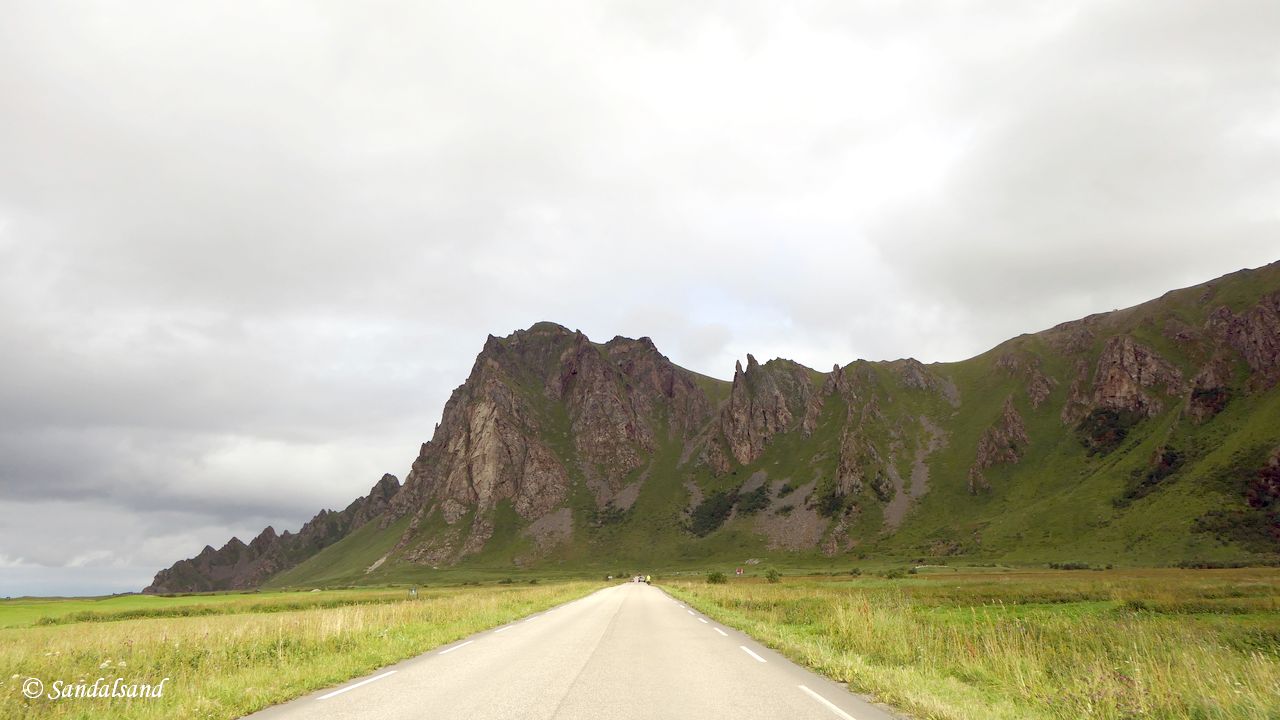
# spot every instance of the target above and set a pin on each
(629, 651)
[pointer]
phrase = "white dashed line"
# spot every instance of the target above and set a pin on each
(747, 650)
(339, 691)
(830, 705)
(721, 632)
(455, 647)
(702, 620)
(691, 612)
(531, 619)
(503, 629)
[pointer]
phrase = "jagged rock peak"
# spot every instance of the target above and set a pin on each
(766, 400)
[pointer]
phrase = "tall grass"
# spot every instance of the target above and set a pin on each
(1117, 657)
(224, 666)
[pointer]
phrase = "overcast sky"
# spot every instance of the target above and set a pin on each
(247, 249)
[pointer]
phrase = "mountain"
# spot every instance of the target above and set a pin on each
(237, 566)
(1149, 435)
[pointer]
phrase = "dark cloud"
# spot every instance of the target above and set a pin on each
(245, 254)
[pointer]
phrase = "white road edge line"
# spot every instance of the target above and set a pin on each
(702, 620)
(455, 647)
(747, 650)
(503, 629)
(830, 705)
(691, 613)
(721, 632)
(532, 618)
(339, 691)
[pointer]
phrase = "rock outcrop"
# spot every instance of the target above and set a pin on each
(1002, 444)
(1210, 390)
(1255, 334)
(1127, 372)
(1027, 367)
(766, 400)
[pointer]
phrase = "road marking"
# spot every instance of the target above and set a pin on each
(830, 705)
(702, 620)
(532, 618)
(339, 691)
(691, 613)
(721, 632)
(503, 629)
(455, 647)
(747, 650)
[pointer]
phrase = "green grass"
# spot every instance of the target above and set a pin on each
(26, 612)
(258, 650)
(1068, 645)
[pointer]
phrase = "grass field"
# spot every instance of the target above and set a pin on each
(1075, 644)
(230, 654)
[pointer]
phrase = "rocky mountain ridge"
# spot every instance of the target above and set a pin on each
(237, 566)
(560, 449)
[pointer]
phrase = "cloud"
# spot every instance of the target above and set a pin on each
(245, 254)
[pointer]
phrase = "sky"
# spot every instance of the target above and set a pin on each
(248, 249)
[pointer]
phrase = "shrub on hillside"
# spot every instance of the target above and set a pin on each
(610, 514)
(831, 502)
(1102, 430)
(711, 513)
(717, 578)
(1143, 480)
(754, 501)
(773, 575)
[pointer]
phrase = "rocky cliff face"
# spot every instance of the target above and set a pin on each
(236, 566)
(577, 449)
(543, 408)
(1128, 373)
(1255, 335)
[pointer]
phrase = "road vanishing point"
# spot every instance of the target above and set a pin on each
(629, 651)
